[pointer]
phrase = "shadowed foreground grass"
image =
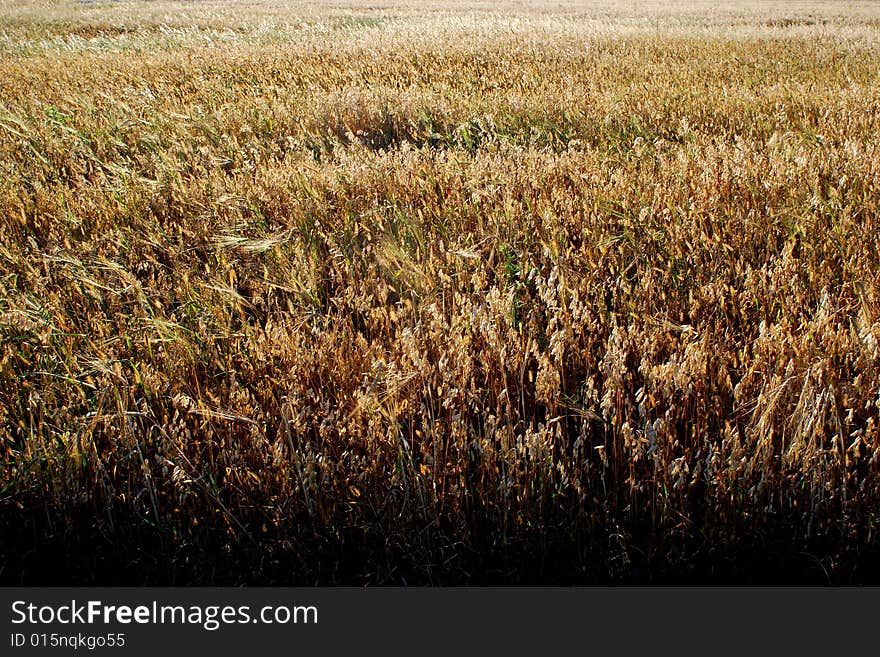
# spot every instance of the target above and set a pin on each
(483, 294)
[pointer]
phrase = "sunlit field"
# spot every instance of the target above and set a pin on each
(439, 293)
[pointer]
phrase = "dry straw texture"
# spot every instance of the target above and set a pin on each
(334, 292)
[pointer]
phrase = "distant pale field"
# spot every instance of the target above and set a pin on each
(439, 292)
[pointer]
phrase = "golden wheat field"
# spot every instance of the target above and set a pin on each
(439, 293)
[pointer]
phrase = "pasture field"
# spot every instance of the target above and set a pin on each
(439, 293)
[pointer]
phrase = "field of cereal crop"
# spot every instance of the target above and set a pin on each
(439, 293)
